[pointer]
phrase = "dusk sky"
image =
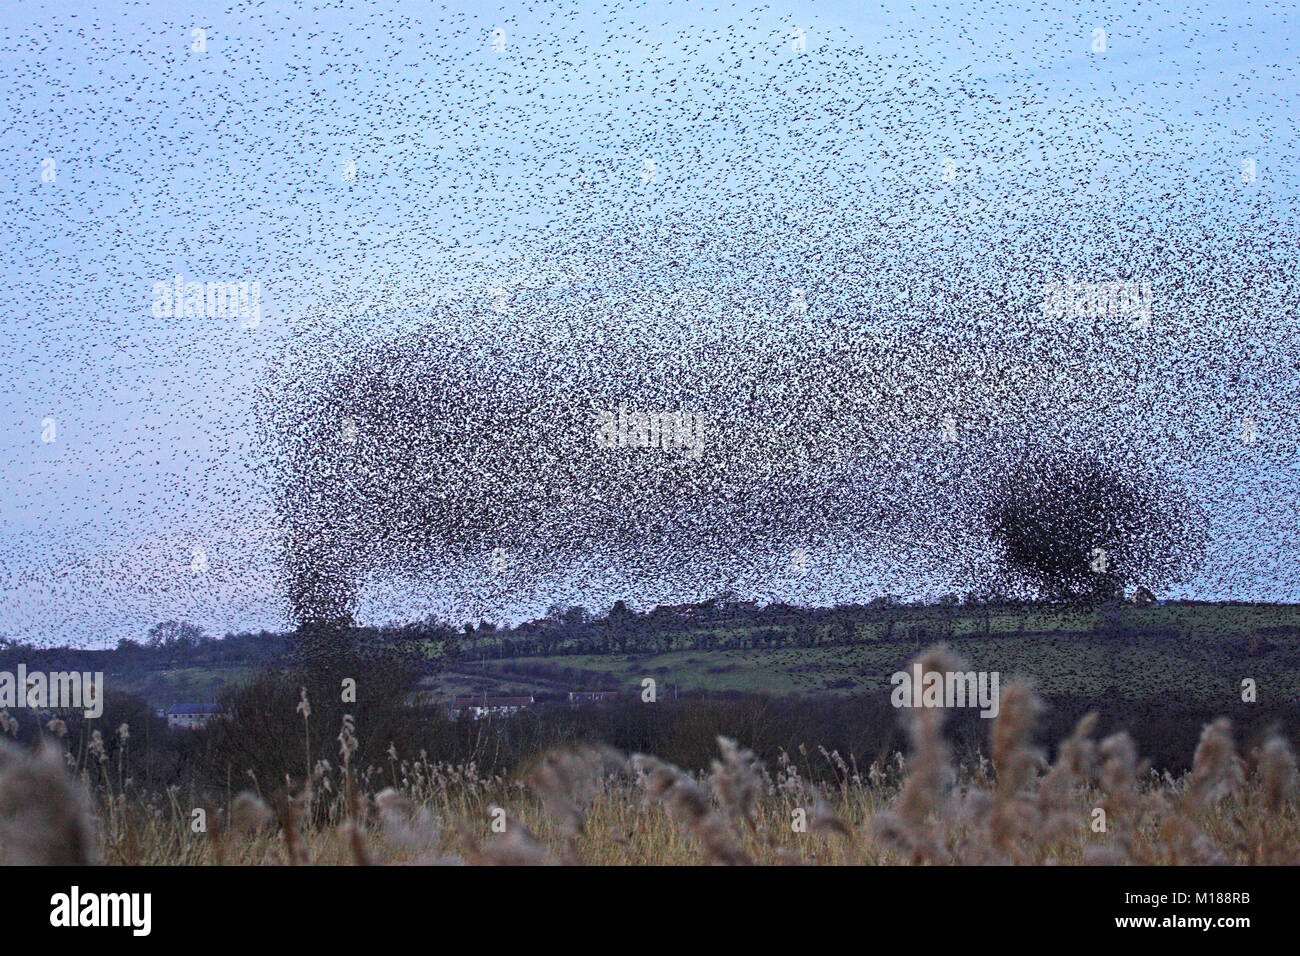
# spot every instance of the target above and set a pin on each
(368, 164)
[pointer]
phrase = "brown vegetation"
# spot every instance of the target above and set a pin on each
(1096, 803)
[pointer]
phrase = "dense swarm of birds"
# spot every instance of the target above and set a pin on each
(1080, 529)
(642, 302)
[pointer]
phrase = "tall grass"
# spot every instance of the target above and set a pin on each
(1098, 803)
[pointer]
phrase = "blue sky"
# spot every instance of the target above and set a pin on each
(225, 163)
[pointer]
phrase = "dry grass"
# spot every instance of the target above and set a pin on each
(589, 805)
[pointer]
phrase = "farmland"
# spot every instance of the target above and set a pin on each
(1200, 652)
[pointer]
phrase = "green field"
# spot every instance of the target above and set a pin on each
(162, 688)
(1200, 652)
(1197, 652)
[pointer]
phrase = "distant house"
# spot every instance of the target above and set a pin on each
(580, 697)
(1142, 597)
(682, 612)
(190, 716)
(476, 708)
(541, 624)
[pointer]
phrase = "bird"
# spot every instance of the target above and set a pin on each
(855, 281)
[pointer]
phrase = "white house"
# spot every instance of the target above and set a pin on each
(190, 716)
(479, 707)
(579, 697)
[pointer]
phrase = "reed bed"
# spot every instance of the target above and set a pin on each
(1097, 803)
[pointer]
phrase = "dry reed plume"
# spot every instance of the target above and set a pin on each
(1097, 803)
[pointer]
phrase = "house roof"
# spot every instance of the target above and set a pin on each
(464, 703)
(187, 709)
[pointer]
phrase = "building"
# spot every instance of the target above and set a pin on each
(681, 612)
(190, 716)
(476, 708)
(579, 697)
(1143, 598)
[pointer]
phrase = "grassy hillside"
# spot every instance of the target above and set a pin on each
(1201, 652)
(162, 688)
